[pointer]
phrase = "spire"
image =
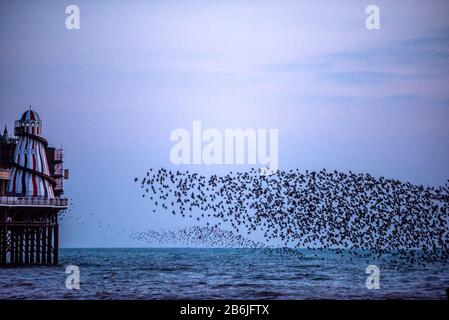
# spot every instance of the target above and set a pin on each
(5, 137)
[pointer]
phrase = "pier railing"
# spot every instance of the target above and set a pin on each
(32, 201)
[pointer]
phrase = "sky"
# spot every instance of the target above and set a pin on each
(342, 97)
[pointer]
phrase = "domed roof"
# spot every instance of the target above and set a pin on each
(30, 115)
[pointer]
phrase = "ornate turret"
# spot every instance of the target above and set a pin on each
(30, 175)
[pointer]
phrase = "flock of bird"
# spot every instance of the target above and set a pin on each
(198, 236)
(210, 237)
(325, 210)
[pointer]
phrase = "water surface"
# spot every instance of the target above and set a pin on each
(174, 273)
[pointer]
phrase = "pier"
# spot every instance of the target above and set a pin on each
(31, 195)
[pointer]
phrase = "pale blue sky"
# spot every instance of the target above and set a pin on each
(341, 96)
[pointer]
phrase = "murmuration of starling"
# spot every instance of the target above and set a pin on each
(325, 210)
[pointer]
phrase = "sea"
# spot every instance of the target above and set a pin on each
(225, 273)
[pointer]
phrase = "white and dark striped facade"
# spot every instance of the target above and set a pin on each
(30, 175)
